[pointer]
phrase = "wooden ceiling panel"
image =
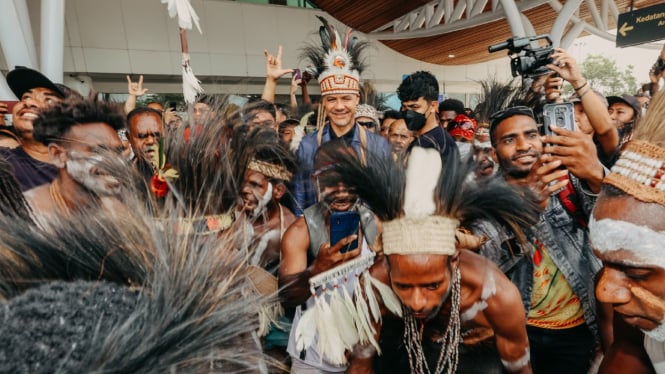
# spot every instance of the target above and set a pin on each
(468, 46)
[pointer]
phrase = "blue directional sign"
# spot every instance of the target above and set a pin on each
(641, 26)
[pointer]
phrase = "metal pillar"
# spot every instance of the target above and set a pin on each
(565, 14)
(52, 39)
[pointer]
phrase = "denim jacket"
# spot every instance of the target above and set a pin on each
(303, 189)
(567, 243)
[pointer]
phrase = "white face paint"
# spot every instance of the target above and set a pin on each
(263, 201)
(646, 245)
(464, 149)
(83, 168)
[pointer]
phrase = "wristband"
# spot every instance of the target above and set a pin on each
(580, 95)
(582, 86)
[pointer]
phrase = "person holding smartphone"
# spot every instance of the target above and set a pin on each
(591, 115)
(308, 248)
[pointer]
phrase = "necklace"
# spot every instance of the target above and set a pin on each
(449, 356)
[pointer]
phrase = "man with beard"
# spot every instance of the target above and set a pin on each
(82, 142)
(399, 137)
(627, 231)
(30, 161)
(555, 269)
(483, 153)
(264, 183)
(145, 130)
(339, 79)
(419, 94)
(307, 251)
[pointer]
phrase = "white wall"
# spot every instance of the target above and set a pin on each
(106, 39)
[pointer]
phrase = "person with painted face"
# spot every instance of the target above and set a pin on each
(83, 144)
(269, 168)
(462, 129)
(307, 251)
(627, 230)
(419, 94)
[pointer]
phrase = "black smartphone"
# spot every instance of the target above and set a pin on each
(560, 115)
(343, 224)
(173, 105)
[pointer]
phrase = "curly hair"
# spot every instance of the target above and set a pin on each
(53, 123)
(417, 85)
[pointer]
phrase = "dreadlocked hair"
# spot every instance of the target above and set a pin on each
(263, 144)
(651, 127)
(494, 96)
(12, 201)
(117, 289)
(369, 95)
(381, 184)
(315, 52)
(205, 185)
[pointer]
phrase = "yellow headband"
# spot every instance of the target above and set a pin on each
(432, 235)
(270, 170)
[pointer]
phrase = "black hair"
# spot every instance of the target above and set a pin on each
(282, 108)
(392, 114)
(206, 99)
(452, 104)
(417, 85)
(289, 122)
(54, 122)
(138, 111)
(249, 110)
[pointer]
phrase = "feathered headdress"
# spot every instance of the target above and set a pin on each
(640, 169)
(337, 63)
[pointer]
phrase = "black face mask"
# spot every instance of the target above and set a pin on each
(414, 120)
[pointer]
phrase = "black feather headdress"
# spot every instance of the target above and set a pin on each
(336, 63)
(432, 188)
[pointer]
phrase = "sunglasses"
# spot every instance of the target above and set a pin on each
(499, 116)
(369, 125)
(465, 125)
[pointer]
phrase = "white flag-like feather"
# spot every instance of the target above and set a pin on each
(185, 12)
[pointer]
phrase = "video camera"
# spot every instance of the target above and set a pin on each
(526, 60)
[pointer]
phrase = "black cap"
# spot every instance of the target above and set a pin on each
(629, 100)
(22, 80)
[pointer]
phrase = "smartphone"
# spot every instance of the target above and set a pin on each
(10, 105)
(172, 105)
(297, 74)
(560, 115)
(343, 224)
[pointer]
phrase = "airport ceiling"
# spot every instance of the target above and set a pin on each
(457, 32)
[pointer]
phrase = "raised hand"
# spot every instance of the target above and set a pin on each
(274, 68)
(136, 88)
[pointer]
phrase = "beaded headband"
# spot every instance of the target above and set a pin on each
(270, 170)
(432, 235)
(640, 172)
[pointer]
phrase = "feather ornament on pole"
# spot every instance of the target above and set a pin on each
(191, 86)
(187, 17)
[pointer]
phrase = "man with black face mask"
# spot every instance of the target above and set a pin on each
(419, 94)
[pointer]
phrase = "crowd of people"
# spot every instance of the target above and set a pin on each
(334, 235)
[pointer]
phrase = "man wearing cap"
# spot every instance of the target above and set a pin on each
(554, 270)
(625, 111)
(30, 161)
(367, 117)
(339, 79)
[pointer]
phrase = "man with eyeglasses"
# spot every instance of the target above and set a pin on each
(145, 130)
(30, 161)
(555, 271)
